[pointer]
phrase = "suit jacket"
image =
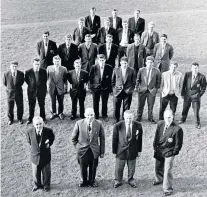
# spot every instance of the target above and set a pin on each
(130, 34)
(154, 81)
(76, 35)
(81, 140)
(131, 55)
(139, 27)
(145, 37)
(54, 82)
(40, 154)
(101, 35)
(93, 27)
(113, 53)
(164, 60)
(34, 88)
(78, 87)
(12, 89)
(67, 59)
(118, 22)
(195, 90)
(46, 59)
(119, 84)
(98, 84)
(165, 83)
(170, 143)
(87, 57)
(127, 150)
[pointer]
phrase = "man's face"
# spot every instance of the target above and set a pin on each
(67, 41)
(101, 62)
(36, 65)
(80, 23)
(163, 40)
(173, 68)
(128, 118)
(13, 67)
(124, 64)
(125, 25)
(114, 13)
(106, 24)
(136, 14)
(151, 27)
(168, 117)
(108, 39)
(92, 12)
(194, 69)
(149, 64)
(45, 37)
(137, 40)
(57, 62)
(88, 39)
(38, 125)
(77, 65)
(89, 114)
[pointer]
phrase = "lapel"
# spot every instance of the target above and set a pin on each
(94, 129)
(120, 74)
(166, 45)
(42, 134)
(17, 78)
(196, 79)
(104, 32)
(126, 74)
(90, 20)
(65, 50)
(145, 75)
(152, 74)
(104, 72)
(168, 132)
(33, 75)
(90, 50)
(11, 79)
(34, 136)
(123, 130)
(48, 47)
(190, 79)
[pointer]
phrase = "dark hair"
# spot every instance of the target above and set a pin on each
(36, 60)
(47, 32)
(195, 64)
(164, 35)
(14, 62)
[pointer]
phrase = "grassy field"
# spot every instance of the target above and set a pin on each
(23, 23)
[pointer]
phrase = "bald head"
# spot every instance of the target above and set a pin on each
(89, 114)
(168, 117)
(38, 123)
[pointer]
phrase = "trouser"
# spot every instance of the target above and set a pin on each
(164, 102)
(46, 174)
(74, 99)
(127, 99)
(96, 99)
(20, 107)
(141, 102)
(119, 169)
(196, 108)
(88, 160)
(60, 99)
(163, 172)
(32, 102)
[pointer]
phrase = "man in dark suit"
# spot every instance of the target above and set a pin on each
(46, 49)
(147, 84)
(100, 85)
(93, 23)
(123, 83)
(163, 53)
(194, 86)
(87, 52)
(137, 23)
(80, 32)
(103, 31)
(89, 139)
(127, 145)
(57, 86)
(136, 53)
(13, 80)
(109, 50)
(40, 139)
(78, 80)
(68, 52)
(149, 39)
(115, 21)
(167, 144)
(36, 79)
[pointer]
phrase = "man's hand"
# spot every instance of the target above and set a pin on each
(47, 143)
(139, 154)
(102, 156)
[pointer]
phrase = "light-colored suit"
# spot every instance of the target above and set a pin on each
(162, 62)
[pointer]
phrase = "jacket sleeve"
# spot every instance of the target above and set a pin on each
(75, 134)
(178, 141)
(28, 137)
(38, 49)
(51, 136)
(155, 138)
(203, 85)
(115, 139)
(102, 139)
(139, 142)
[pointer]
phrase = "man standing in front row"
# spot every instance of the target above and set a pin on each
(127, 145)
(40, 139)
(89, 139)
(194, 86)
(167, 144)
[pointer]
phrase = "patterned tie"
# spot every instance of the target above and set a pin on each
(128, 132)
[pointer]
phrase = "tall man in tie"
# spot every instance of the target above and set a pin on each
(193, 88)
(36, 79)
(170, 89)
(57, 86)
(40, 139)
(68, 52)
(13, 80)
(100, 85)
(127, 145)
(137, 23)
(88, 53)
(89, 140)
(163, 53)
(93, 23)
(167, 144)
(109, 50)
(78, 79)
(46, 49)
(115, 21)
(147, 84)
(123, 84)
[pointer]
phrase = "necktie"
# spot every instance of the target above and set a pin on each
(56, 73)
(163, 49)
(89, 130)
(14, 77)
(81, 33)
(38, 137)
(193, 80)
(77, 75)
(68, 48)
(165, 129)
(37, 77)
(102, 72)
(123, 74)
(128, 132)
(148, 73)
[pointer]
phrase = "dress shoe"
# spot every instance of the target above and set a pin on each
(167, 193)
(53, 116)
(82, 184)
(105, 118)
(73, 117)
(61, 116)
(156, 183)
(132, 184)
(29, 122)
(198, 126)
(152, 121)
(20, 121)
(93, 184)
(181, 121)
(46, 188)
(35, 188)
(116, 185)
(10, 122)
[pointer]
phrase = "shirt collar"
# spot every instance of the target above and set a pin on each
(39, 132)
